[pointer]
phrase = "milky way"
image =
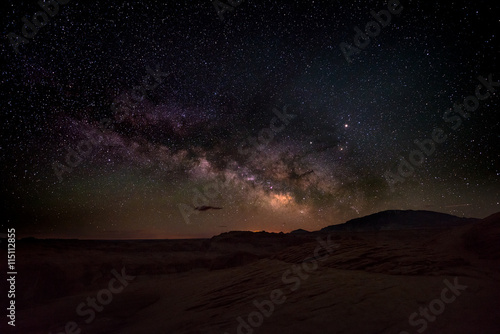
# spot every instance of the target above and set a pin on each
(122, 118)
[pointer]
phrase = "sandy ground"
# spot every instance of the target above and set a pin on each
(366, 283)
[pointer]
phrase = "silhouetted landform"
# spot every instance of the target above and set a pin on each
(299, 231)
(371, 281)
(400, 220)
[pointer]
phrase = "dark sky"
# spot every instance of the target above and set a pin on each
(121, 117)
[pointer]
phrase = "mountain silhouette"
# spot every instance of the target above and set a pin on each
(400, 220)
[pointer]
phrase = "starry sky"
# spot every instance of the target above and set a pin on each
(162, 119)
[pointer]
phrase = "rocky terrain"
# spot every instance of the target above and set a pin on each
(371, 281)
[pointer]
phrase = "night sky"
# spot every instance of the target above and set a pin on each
(122, 117)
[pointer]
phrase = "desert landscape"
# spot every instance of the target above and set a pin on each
(389, 272)
(250, 167)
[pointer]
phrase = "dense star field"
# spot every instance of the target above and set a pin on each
(180, 120)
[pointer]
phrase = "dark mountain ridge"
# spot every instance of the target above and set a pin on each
(399, 220)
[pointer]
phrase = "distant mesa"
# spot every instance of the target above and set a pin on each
(299, 231)
(247, 236)
(205, 208)
(400, 220)
(390, 220)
